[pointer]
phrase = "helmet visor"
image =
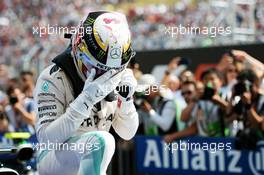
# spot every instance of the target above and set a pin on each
(87, 65)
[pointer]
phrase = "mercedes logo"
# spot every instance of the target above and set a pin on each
(115, 53)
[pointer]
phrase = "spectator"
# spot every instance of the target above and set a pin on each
(199, 89)
(12, 82)
(156, 109)
(189, 92)
(186, 75)
(27, 83)
(149, 25)
(20, 111)
(207, 113)
(247, 104)
(248, 109)
(230, 74)
(172, 82)
(231, 64)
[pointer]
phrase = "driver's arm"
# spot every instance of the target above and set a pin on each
(55, 123)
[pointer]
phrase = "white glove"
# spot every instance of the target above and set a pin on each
(126, 90)
(95, 91)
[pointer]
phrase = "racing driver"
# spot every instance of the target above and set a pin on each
(82, 94)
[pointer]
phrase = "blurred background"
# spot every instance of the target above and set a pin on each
(149, 22)
(196, 70)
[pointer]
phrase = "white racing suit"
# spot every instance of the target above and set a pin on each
(70, 145)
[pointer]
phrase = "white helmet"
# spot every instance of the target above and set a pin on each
(103, 42)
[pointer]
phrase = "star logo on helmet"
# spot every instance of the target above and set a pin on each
(115, 53)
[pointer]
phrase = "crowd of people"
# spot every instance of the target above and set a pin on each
(16, 103)
(149, 24)
(226, 101)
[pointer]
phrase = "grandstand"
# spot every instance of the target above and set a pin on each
(149, 21)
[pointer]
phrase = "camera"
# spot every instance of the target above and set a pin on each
(13, 100)
(239, 89)
(209, 92)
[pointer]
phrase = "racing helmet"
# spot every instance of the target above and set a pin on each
(102, 42)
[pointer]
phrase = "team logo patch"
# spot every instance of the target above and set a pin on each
(45, 87)
(115, 53)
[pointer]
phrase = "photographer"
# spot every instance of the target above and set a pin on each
(158, 114)
(20, 112)
(232, 63)
(210, 108)
(190, 94)
(207, 112)
(246, 110)
(230, 71)
(27, 83)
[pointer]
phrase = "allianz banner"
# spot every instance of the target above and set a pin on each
(197, 155)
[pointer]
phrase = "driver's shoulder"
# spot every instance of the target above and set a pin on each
(54, 76)
(52, 73)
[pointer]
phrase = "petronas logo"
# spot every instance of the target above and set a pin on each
(45, 86)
